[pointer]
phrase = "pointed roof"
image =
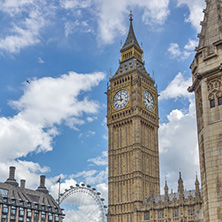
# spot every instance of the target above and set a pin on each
(131, 37)
(211, 25)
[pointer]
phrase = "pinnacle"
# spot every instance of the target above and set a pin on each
(131, 37)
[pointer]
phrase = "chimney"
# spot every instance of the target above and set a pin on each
(11, 180)
(22, 183)
(42, 187)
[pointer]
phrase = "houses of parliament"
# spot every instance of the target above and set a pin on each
(133, 121)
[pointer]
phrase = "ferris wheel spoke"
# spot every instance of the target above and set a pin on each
(83, 204)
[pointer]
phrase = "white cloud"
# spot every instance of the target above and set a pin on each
(176, 88)
(24, 170)
(196, 15)
(174, 50)
(191, 45)
(178, 137)
(40, 60)
(23, 31)
(100, 160)
(179, 54)
(34, 127)
(155, 13)
(73, 4)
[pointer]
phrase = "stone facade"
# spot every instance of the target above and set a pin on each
(133, 134)
(207, 85)
(18, 203)
(133, 121)
(183, 206)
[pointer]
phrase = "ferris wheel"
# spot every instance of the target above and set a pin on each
(83, 203)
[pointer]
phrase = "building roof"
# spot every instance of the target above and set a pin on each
(131, 38)
(187, 194)
(11, 193)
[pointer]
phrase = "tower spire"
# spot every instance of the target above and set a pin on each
(131, 38)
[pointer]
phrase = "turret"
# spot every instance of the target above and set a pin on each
(166, 196)
(180, 188)
(197, 190)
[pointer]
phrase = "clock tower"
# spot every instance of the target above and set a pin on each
(132, 120)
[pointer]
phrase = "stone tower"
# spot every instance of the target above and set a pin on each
(132, 120)
(207, 85)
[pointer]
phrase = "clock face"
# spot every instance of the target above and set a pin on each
(120, 99)
(148, 100)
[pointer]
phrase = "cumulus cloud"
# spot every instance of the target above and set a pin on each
(73, 4)
(179, 54)
(196, 15)
(177, 88)
(23, 31)
(178, 137)
(34, 127)
(155, 13)
(100, 160)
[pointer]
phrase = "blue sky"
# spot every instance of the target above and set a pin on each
(54, 124)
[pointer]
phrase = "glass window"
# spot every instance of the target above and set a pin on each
(160, 214)
(36, 216)
(21, 211)
(4, 218)
(13, 201)
(146, 216)
(13, 210)
(5, 209)
(4, 192)
(29, 213)
(12, 218)
(191, 211)
(175, 213)
(56, 217)
(43, 217)
(220, 101)
(212, 103)
(50, 217)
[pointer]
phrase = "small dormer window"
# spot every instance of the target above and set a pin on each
(219, 101)
(212, 103)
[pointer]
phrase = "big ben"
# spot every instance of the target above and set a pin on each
(132, 120)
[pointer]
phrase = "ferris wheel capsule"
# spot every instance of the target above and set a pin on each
(81, 203)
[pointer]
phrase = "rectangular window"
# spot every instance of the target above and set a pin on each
(4, 218)
(219, 101)
(21, 211)
(5, 209)
(29, 213)
(36, 216)
(175, 213)
(191, 211)
(56, 217)
(50, 217)
(13, 210)
(160, 214)
(212, 103)
(43, 217)
(146, 216)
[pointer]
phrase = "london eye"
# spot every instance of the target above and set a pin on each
(83, 203)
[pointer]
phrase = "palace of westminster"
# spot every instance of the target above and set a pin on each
(133, 153)
(133, 121)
